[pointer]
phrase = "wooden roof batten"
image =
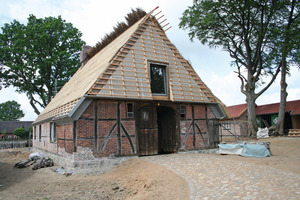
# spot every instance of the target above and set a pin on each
(120, 70)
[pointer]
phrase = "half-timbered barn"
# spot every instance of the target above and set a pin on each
(137, 96)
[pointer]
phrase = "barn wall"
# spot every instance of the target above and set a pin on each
(104, 130)
(197, 118)
(97, 130)
(43, 142)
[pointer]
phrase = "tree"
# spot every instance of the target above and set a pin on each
(288, 49)
(35, 56)
(3, 132)
(245, 29)
(10, 111)
(19, 132)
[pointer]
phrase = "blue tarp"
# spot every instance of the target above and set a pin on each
(248, 150)
(255, 150)
(230, 146)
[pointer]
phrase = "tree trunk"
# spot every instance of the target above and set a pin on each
(283, 96)
(251, 114)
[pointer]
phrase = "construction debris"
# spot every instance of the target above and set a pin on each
(38, 160)
(24, 163)
(41, 163)
(64, 171)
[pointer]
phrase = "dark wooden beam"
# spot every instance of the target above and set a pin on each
(119, 128)
(194, 131)
(96, 145)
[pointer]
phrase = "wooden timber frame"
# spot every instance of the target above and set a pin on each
(160, 133)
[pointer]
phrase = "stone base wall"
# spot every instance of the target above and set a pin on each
(83, 162)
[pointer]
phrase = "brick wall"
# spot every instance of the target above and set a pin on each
(65, 137)
(107, 141)
(200, 120)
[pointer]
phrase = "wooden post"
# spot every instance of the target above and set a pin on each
(207, 126)
(96, 146)
(74, 137)
(194, 131)
(119, 128)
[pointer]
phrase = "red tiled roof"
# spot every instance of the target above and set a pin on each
(291, 106)
(237, 110)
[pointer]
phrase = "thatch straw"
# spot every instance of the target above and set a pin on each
(121, 27)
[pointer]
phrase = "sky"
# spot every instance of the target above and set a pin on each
(94, 18)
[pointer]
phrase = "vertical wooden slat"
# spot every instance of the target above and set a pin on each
(96, 146)
(193, 122)
(74, 136)
(119, 128)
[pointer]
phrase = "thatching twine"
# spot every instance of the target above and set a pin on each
(121, 27)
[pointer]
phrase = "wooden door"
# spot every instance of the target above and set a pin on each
(167, 137)
(147, 131)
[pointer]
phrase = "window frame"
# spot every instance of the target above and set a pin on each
(180, 113)
(53, 132)
(40, 132)
(165, 77)
(34, 132)
(227, 126)
(130, 114)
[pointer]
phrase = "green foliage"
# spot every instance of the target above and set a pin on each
(19, 132)
(251, 31)
(10, 111)
(3, 132)
(34, 55)
(258, 35)
(30, 130)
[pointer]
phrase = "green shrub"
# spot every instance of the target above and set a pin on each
(19, 132)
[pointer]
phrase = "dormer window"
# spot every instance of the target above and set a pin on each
(158, 79)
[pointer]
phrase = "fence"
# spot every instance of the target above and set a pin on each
(13, 144)
(237, 129)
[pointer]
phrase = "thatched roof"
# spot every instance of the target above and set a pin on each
(120, 70)
(131, 18)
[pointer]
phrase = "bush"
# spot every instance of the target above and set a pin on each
(19, 132)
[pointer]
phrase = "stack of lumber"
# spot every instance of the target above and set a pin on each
(294, 132)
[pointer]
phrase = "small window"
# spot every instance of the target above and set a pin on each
(182, 111)
(34, 132)
(40, 133)
(145, 116)
(130, 110)
(52, 132)
(158, 79)
(227, 126)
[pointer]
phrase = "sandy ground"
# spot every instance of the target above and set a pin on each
(285, 154)
(133, 179)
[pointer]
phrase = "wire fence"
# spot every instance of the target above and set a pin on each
(233, 129)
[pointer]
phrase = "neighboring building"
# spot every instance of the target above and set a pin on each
(137, 96)
(236, 124)
(266, 116)
(9, 127)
